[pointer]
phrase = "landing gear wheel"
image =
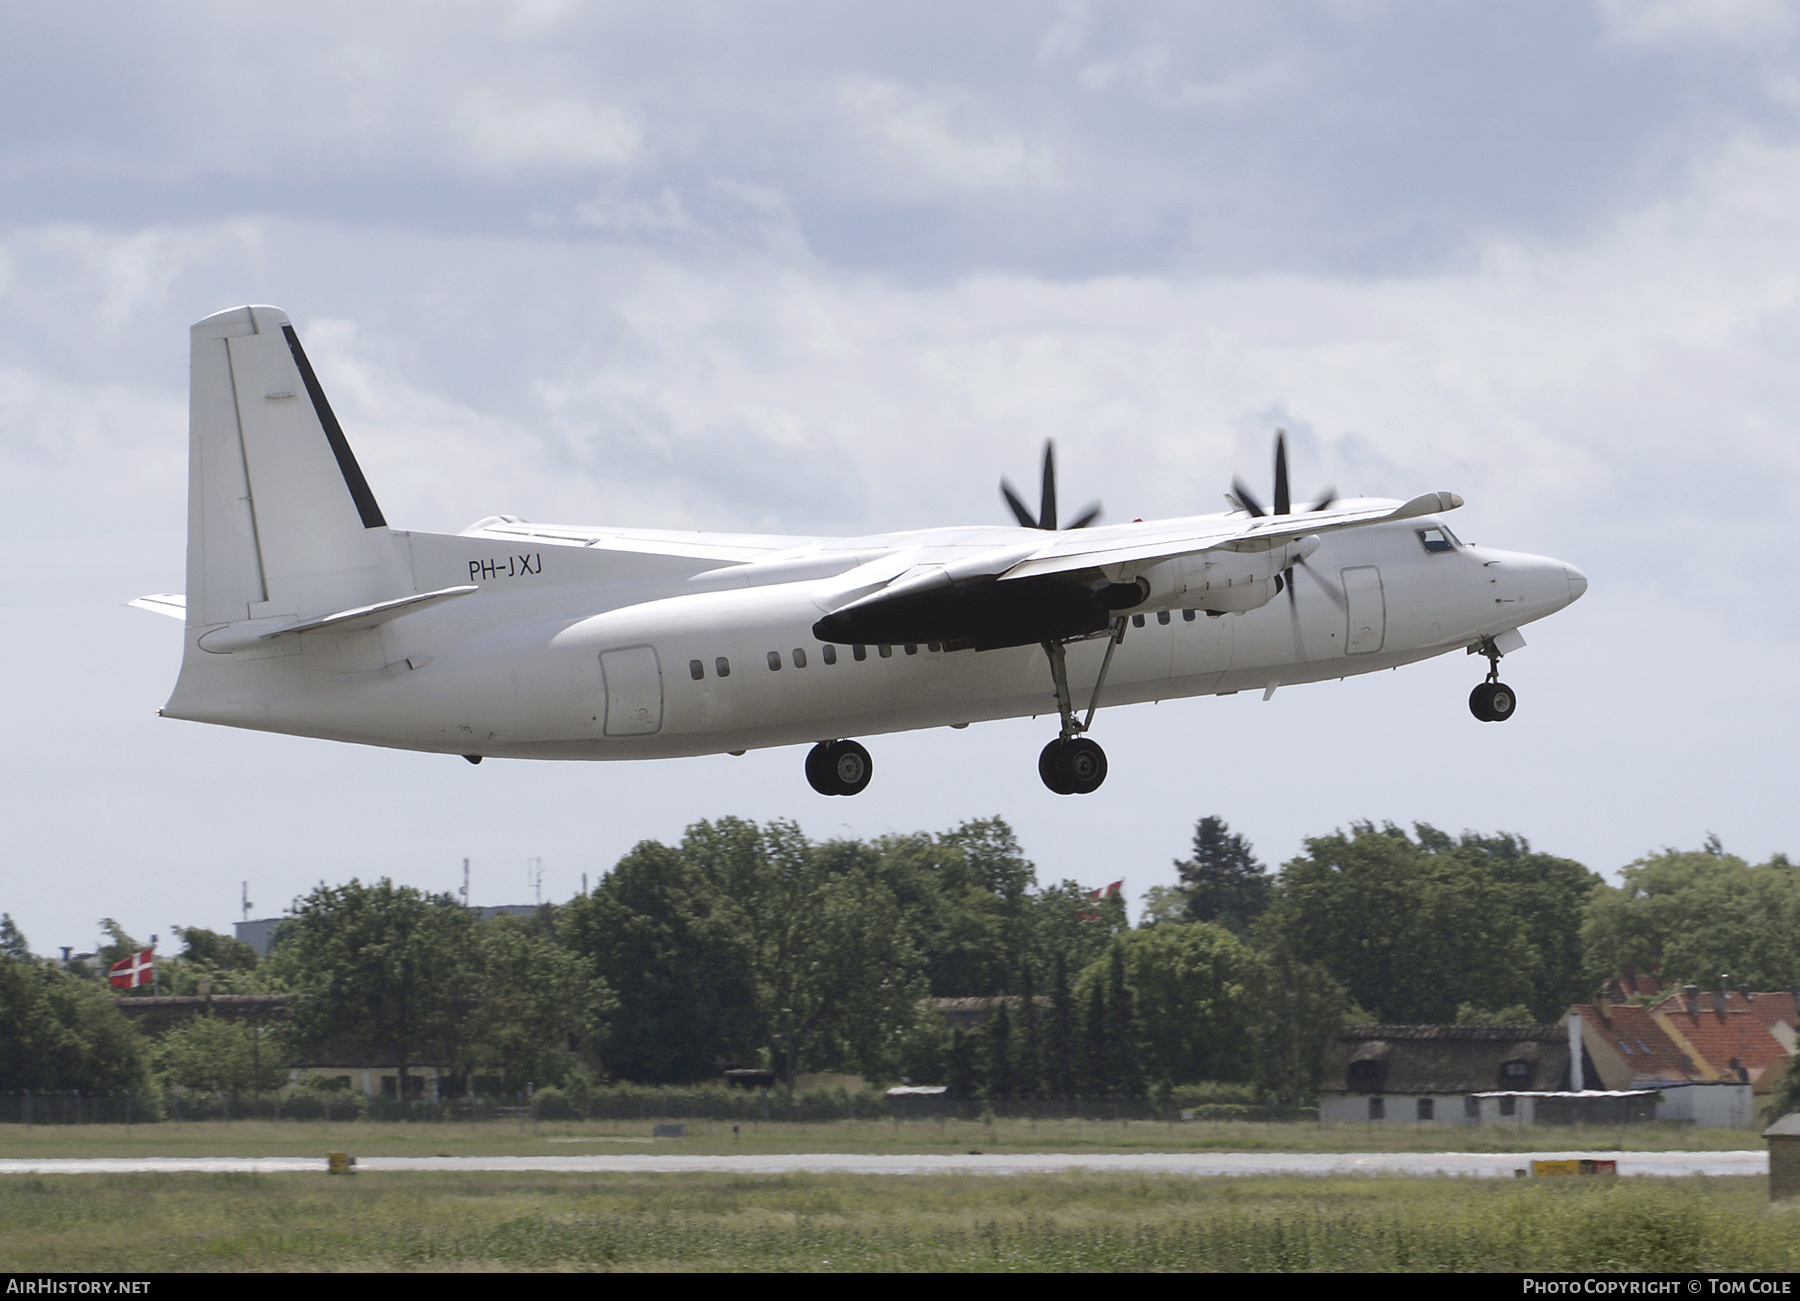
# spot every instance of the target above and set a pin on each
(1073, 767)
(818, 774)
(1493, 702)
(1082, 766)
(846, 767)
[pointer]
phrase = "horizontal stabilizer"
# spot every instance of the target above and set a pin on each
(251, 632)
(173, 604)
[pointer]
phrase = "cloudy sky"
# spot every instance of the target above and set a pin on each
(834, 268)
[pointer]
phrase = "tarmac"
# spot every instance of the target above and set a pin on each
(1477, 1165)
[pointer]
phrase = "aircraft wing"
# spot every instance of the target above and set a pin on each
(1080, 550)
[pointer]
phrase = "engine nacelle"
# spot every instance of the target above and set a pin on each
(1223, 581)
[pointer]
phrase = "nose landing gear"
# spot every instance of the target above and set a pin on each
(1492, 701)
(838, 768)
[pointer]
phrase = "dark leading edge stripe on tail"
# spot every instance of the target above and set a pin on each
(334, 434)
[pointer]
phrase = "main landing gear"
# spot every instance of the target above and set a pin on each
(1072, 764)
(1492, 701)
(838, 767)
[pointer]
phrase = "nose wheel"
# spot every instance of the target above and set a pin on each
(838, 768)
(1492, 701)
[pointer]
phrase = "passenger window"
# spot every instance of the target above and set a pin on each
(859, 653)
(799, 658)
(1137, 621)
(1434, 540)
(1162, 616)
(696, 670)
(1188, 615)
(887, 652)
(912, 649)
(932, 647)
(774, 661)
(723, 665)
(830, 653)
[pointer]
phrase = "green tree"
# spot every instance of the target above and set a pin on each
(1415, 929)
(12, 939)
(1192, 988)
(1691, 915)
(382, 968)
(1060, 1069)
(1297, 1007)
(998, 1053)
(538, 1011)
(657, 934)
(1224, 881)
(59, 1031)
(210, 949)
(210, 1053)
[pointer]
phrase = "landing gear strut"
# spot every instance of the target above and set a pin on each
(1492, 701)
(838, 767)
(1072, 764)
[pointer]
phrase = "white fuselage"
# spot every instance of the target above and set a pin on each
(571, 650)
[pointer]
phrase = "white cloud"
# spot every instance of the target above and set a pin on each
(1677, 24)
(556, 134)
(925, 130)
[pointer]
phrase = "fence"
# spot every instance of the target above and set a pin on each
(127, 1107)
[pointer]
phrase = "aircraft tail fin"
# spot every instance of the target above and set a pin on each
(281, 521)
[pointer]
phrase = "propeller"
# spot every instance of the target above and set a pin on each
(1046, 516)
(1242, 497)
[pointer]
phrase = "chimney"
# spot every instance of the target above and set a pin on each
(1745, 991)
(1603, 1001)
(1576, 1082)
(1724, 993)
(1690, 994)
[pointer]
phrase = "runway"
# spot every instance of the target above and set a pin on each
(1478, 1165)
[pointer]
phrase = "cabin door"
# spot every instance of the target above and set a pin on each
(1366, 610)
(633, 691)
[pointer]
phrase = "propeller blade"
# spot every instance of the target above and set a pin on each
(1326, 500)
(1294, 614)
(1282, 501)
(1337, 597)
(1025, 517)
(1086, 517)
(1244, 495)
(1047, 512)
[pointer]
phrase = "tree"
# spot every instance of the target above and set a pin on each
(1691, 915)
(59, 1031)
(218, 952)
(538, 1009)
(1060, 1071)
(997, 1044)
(381, 968)
(1415, 929)
(660, 938)
(210, 1053)
(1192, 990)
(1224, 881)
(12, 940)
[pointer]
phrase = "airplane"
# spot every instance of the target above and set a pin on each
(307, 614)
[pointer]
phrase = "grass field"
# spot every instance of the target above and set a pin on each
(1074, 1221)
(708, 1138)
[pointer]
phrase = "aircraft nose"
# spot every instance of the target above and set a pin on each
(1577, 582)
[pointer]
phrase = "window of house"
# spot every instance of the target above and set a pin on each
(1509, 1106)
(696, 670)
(829, 654)
(723, 666)
(799, 657)
(1434, 540)
(1515, 1075)
(774, 661)
(1365, 1077)
(1377, 1111)
(1427, 1108)
(1472, 1107)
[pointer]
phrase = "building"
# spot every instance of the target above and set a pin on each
(1435, 1074)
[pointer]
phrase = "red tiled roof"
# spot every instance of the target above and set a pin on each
(1632, 1032)
(1742, 1031)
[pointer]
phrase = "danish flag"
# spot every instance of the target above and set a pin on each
(129, 973)
(1107, 891)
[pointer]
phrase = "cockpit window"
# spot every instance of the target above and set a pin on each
(1435, 539)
